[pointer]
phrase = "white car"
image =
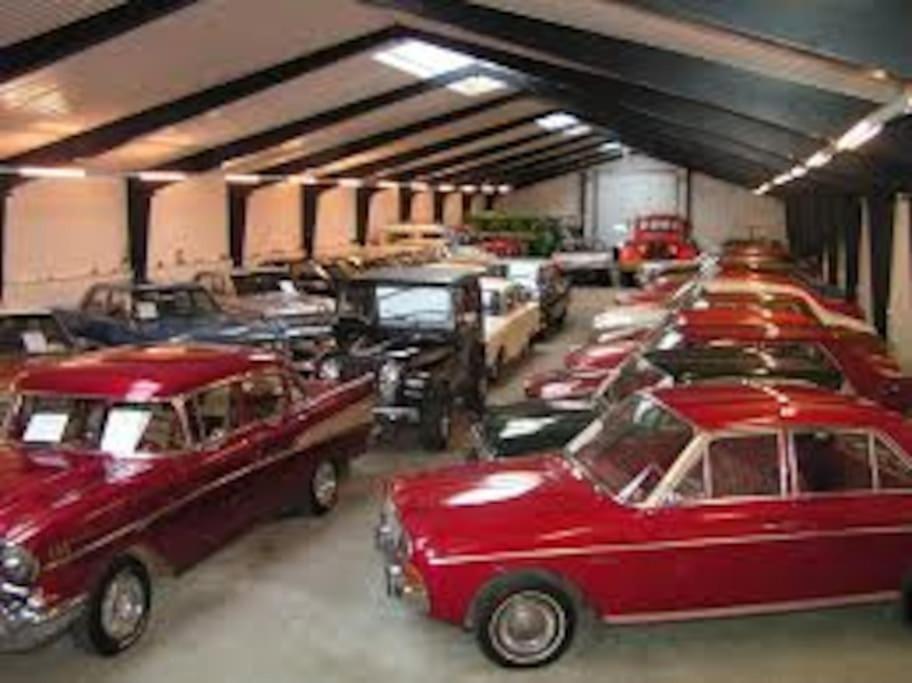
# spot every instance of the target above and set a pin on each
(512, 321)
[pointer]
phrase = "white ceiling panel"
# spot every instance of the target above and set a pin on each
(201, 46)
(24, 19)
(511, 111)
(347, 81)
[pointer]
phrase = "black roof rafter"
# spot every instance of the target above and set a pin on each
(42, 50)
(352, 147)
(108, 136)
(771, 99)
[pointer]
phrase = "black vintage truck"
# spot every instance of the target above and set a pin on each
(421, 332)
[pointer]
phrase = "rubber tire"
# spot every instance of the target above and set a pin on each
(88, 632)
(502, 589)
(437, 406)
(628, 280)
(314, 507)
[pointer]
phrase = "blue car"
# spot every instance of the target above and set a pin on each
(112, 314)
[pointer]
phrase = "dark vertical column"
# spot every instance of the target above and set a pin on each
(828, 209)
(310, 204)
(439, 200)
(6, 187)
(363, 197)
(139, 203)
(881, 208)
(405, 204)
(466, 206)
(583, 189)
(238, 197)
(489, 201)
(851, 226)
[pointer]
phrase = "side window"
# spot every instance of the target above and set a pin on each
(831, 461)
(893, 470)
(265, 396)
(217, 411)
(745, 466)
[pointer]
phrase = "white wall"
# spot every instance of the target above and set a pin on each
(384, 210)
(721, 210)
(61, 237)
(273, 223)
(559, 197)
(188, 229)
(452, 210)
(335, 220)
(422, 207)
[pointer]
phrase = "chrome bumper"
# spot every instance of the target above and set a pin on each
(26, 624)
(401, 580)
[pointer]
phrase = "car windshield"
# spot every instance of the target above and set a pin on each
(400, 305)
(123, 429)
(33, 335)
(247, 284)
(187, 302)
(630, 449)
(634, 374)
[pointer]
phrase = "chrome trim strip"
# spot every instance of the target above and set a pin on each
(705, 542)
(758, 608)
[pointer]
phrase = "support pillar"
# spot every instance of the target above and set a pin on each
(363, 197)
(309, 203)
(5, 191)
(238, 198)
(899, 313)
(405, 204)
(466, 206)
(489, 201)
(439, 202)
(139, 204)
(865, 290)
(881, 208)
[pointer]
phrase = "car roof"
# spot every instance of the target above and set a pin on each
(742, 404)
(148, 286)
(416, 275)
(143, 373)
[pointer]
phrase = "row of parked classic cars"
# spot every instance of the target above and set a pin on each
(154, 422)
(733, 440)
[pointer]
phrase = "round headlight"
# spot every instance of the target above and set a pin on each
(17, 565)
(331, 369)
(388, 381)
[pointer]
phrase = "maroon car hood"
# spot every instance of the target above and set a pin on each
(472, 508)
(36, 483)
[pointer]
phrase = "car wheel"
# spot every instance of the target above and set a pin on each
(628, 280)
(525, 622)
(118, 610)
(436, 422)
(323, 487)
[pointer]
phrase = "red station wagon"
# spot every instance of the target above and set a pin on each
(132, 462)
(804, 495)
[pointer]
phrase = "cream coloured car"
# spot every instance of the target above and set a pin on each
(512, 321)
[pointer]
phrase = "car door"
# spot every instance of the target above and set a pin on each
(215, 500)
(715, 543)
(853, 507)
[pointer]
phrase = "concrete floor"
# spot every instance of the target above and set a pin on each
(302, 600)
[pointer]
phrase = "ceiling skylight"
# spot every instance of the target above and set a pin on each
(473, 86)
(581, 129)
(557, 121)
(423, 59)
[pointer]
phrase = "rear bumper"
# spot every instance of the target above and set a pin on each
(25, 624)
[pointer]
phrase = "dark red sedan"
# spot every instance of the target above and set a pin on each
(701, 501)
(125, 465)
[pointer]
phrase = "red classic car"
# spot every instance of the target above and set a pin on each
(657, 237)
(123, 465)
(803, 495)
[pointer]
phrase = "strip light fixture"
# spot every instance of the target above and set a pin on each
(855, 137)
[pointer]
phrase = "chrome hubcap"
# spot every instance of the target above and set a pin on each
(325, 483)
(528, 627)
(123, 607)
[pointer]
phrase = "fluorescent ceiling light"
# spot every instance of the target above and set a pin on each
(821, 158)
(859, 134)
(782, 179)
(161, 176)
(303, 179)
(474, 86)
(557, 121)
(419, 186)
(581, 129)
(48, 172)
(612, 147)
(469, 189)
(349, 182)
(446, 187)
(763, 189)
(798, 171)
(387, 184)
(504, 189)
(488, 189)
(423, 59)
(243, 178)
